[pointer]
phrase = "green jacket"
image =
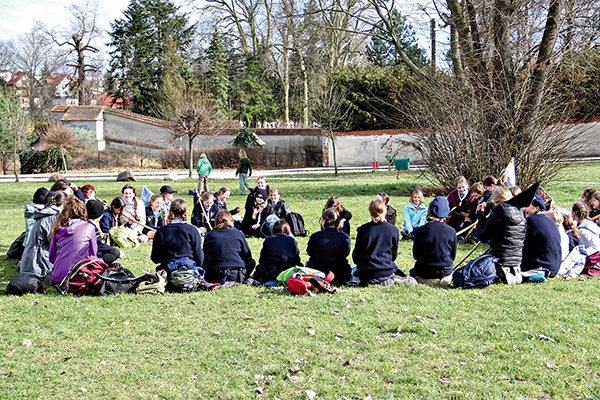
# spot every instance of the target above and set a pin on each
(244, 166)
(203, 167)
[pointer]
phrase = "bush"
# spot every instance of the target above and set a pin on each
(42, 161)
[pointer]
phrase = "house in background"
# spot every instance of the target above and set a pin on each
(62, 87)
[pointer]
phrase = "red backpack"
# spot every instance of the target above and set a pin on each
(84, 277)
(310, 284)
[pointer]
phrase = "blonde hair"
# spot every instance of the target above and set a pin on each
(242, 153)
(478, 188)
(419, 192)
(377, 210)
(556, 216)
(461, 179)
(500, 195)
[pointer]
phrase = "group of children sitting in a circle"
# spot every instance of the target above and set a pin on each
(67, 224)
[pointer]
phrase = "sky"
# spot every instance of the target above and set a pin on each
(18, 16)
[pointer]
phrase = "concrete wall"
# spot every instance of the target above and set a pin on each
(121, 131)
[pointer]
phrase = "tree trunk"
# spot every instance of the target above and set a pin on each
(335, 166)
(15, 161)
(191, 154)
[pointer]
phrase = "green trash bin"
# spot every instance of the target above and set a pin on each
(402, 163)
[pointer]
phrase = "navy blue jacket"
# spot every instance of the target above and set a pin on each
(328, 251)
(434, 249)
(227, 248)
(174, 241)
(153, 220)
(202, 219)
(542, 245)
(279, 252)
(375, 251)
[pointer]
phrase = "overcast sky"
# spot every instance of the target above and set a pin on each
(17, 16)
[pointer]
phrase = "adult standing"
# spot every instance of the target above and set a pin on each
(329, 249)
(244, 171)
(203, 168)
(541, 249)
(434, 248)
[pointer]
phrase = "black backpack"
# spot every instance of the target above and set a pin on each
(478, 273)
(117, 280)
(296, 224)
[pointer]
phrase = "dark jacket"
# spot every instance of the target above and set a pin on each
(281, 209)
(153, 220)
(244, 166)
(505, 231)
(375, 251)
(467, 205)
(328, 251)
(250, 220)
(434, 249)
(226, 249)
(175, 241)
(541, 248)
(203, 218)
(279, 252)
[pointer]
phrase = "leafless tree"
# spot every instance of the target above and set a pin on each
(80, 37)
(15, 132)
(333, 112)
(499, 101)
(35, 55)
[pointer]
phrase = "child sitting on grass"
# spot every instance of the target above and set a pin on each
(415, 213)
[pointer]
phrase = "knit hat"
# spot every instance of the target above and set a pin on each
(95, 208)
(439, 207)
(261, 193)
(202, 155)
(539, 202)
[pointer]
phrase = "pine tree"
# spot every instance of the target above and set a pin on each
(140, 52)
(217, 76)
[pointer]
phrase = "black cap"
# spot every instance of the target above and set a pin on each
(167, 189)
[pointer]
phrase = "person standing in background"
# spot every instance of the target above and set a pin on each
(244, 170)
(203, 168)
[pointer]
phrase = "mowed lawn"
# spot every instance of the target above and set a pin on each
(529, 341)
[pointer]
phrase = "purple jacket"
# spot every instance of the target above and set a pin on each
(69, 245)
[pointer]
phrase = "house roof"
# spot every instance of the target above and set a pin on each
(16, 78)
(82, 113)
(56, 79)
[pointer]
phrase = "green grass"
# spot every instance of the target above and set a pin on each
(387, 343)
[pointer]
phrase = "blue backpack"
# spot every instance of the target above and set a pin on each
(478, 273)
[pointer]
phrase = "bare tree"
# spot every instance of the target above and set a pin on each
(15, 133)
(190, 111)
(499, 102)
(333, 112)
(35, 55)
(79, 37)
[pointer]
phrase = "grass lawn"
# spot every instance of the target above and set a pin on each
(529, 341)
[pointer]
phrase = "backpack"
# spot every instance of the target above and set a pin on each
(266, 229)
(23, 283)
(84, 277)
(15, 251)
(117, 279)
(186, 280)
(301, 284)
(123, 237)
(478, 273)
(296, 224)
(151, 283)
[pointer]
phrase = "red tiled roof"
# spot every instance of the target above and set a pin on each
(16, 78)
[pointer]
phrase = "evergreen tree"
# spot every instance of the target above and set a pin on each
(381, 50)
(217, 75)
(140, 41)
